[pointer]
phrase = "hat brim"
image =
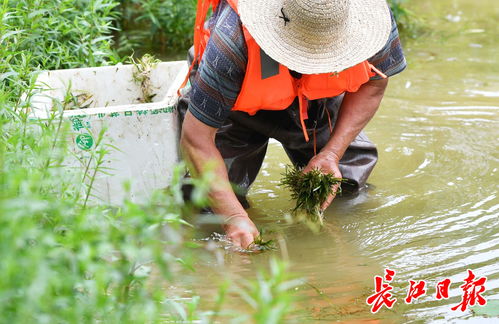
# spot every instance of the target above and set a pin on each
(365, 32)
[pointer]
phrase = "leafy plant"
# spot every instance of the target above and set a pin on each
(270, 295)
(63, 260)
(160, 27)
(310, 190)
(56, 34)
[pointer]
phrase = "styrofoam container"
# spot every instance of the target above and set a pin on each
(142, 137)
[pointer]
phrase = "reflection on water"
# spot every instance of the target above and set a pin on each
(431, 210)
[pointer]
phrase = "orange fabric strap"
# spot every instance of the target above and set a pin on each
(378, 72)
(329, 120)
(303, 106)
(233, 4)
(315, 142)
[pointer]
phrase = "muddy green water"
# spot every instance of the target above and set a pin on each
(432, 208)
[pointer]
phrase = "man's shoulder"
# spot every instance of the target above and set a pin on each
(226, 20)
(227, 37)
(220, 75)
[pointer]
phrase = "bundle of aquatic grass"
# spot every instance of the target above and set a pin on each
(261, 245)
(142, 75)
(310, 190)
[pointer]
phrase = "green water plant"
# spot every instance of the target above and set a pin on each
(310, 190)
(261, 245)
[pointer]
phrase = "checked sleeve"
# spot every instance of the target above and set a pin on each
(390, 59)
(218, 81)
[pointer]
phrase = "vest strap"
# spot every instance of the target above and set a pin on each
(233, 4)
(378, 72)
(303, 107)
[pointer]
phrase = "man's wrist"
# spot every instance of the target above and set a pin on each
(227, 219)
(331, 154)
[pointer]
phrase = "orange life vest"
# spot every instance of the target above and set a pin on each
(269, 85)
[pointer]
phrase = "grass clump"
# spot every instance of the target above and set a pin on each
(78, 99)
(261, 245)
(142, 69)
(310, 190)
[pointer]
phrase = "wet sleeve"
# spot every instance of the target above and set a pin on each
(390, 59)
(219, 78)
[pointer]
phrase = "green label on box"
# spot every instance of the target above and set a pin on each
(85, 141)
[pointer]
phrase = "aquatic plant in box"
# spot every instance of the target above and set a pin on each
(142, 75)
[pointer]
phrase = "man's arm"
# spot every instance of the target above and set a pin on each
(198, 146)
(359, 107)
(356, 111)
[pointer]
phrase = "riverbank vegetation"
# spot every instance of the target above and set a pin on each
(64, 260)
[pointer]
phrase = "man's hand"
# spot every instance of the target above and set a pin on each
(327, 162)
(240, 230)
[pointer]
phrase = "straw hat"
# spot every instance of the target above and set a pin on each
(317, 36)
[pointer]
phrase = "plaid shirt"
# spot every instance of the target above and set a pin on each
(219, 78)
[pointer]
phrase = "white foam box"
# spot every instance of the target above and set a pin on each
(142, 138)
